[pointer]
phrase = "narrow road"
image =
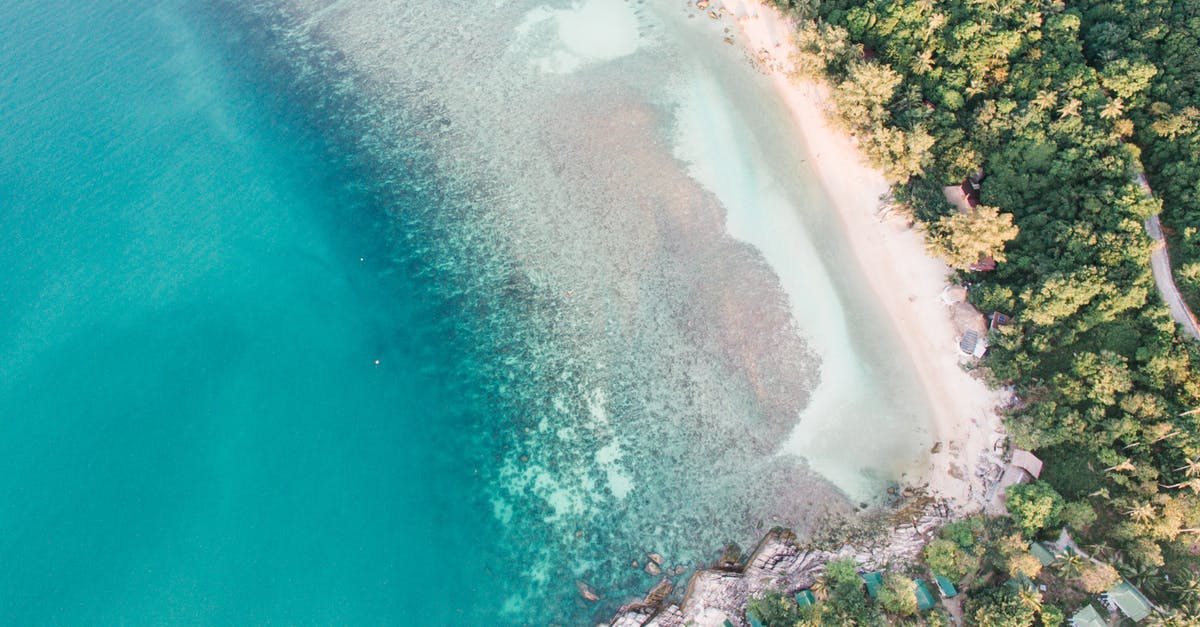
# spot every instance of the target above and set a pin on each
(1160, 265)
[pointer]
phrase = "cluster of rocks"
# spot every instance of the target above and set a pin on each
(782, 562)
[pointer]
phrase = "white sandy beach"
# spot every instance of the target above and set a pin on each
(905, 279)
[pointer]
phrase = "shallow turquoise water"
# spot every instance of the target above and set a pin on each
(343, 312)
(193, 427)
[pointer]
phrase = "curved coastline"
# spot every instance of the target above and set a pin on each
(610, 320)
(903, 276)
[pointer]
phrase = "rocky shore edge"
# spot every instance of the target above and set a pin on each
(781, 561)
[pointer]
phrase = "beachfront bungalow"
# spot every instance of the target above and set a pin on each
(955, 196)
(965, 195)
(1045, 556)
(971, 344)
(925, 598)
(1088, 617)
(945, 587)
(986, 263)
(1022, 468)
(1129, 600)
(874, 581)
(998, 319)
(1026, 463)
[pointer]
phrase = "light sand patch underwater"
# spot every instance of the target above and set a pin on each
(592, 31)
(854, 431)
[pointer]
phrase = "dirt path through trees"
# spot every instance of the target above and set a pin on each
(1160, 264)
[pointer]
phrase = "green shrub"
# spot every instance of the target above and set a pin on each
(1034, 506)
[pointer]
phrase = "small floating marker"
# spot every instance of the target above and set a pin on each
(376, 362)
(362, 258)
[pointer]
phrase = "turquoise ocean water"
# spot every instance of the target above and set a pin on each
(333, 312)
(194, 294)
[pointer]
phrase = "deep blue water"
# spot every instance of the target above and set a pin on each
(193, 296)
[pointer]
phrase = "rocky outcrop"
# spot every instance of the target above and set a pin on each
(783, 562)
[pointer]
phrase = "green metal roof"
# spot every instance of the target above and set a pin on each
(1042, 553)
(754, 622)
(874, 581)
(1131, 601)
(924, 597)
(1088, 617)
(805, 598)
(945, 586)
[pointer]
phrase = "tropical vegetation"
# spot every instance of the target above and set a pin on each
(1055, 108)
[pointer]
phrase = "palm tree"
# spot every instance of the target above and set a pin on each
(1149, 579)
(1191, 467)
(923, 64)
(1143, 512)
(1126, 465)
(1029, 597)
(1188, 589)
(1070, 107)
(1102, 551)
(1045, 99)
(1070, 564)
(1183, 617)
(1193, 484)
(1169, 434)
(1113, 109)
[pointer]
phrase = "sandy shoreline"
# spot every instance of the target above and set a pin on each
(906, 280)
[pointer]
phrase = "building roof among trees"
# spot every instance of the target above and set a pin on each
(1131, 601)
(986, 263)
(1088, 617)
(1027, 461)
(925, 598)
(874, 581)
(1042, 553)
(945, 586)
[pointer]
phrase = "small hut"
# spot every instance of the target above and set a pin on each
(1044, 556)
(1130, 601)
(971, 344)
(997, 319)
(1027, 462)
(925, 598)
(971, 325)
(874, 582)
(965, 195)
(945, 586)
(1088, 617)
(986, 263)
(1023, 468)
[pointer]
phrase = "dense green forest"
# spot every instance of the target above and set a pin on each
(1148, 53)
(1058, 105)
